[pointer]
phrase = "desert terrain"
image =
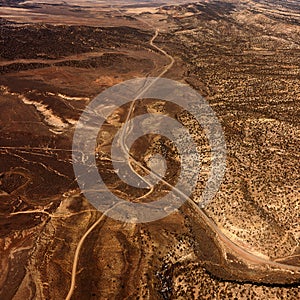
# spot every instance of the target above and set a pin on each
(243, 57)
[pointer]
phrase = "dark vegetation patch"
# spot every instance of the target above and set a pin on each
(52, 42)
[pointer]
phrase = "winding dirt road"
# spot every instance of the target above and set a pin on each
(80, 243)
(251, 259)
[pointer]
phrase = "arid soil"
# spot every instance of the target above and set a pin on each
(243, 57)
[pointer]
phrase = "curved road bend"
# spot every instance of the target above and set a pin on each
(231, 245)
